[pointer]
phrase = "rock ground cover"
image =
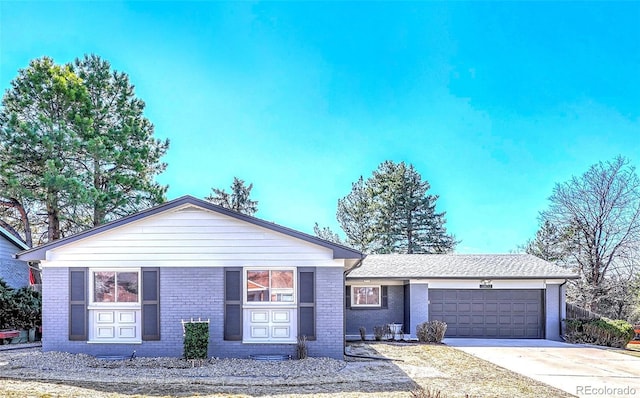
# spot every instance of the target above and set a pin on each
(435, 367)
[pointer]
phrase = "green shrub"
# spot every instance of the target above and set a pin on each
(603, 331)
(431, 332)
(19, 309)
(196, 340)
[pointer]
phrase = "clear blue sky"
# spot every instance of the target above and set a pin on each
(493, 103)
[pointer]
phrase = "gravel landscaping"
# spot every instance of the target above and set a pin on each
(434, 367)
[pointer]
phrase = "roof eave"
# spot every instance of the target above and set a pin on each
(466, 277)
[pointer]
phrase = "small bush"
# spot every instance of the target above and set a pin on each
(603, 331)
(301, 347)
(19, 308)
(196, 340)
(431, 332)
(363, 333)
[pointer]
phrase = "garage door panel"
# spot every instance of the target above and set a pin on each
(496, 313)
(491, 307)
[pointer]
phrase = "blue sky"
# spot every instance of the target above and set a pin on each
(493, 103)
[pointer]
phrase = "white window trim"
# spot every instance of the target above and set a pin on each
(94, 307)
(93, 304)
(353, 296)
(278, 304)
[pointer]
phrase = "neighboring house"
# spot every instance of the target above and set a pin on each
(14, 272)
(483, 296)
(128, 284)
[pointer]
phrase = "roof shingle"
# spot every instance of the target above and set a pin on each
(452, 266)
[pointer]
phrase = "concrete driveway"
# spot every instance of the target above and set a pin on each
(585, 371)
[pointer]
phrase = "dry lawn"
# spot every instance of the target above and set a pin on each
(433, 367)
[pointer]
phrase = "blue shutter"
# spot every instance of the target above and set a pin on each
(150, 304)
(233, 304)
(307, 303)
(78, 317)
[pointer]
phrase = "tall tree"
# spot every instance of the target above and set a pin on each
(354, 216)
(121, 157)
(75, 147)
(391, 212)
(237, 200)
(601, 212)
(37, 140)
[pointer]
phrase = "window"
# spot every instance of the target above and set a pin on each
(365, 296)
(270, 313)
(275, 286)
(115, 287)
(114, 310)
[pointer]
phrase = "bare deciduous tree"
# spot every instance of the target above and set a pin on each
(599, 213)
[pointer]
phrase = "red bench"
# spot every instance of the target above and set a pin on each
(7, 335)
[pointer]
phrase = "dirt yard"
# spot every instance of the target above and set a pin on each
(415, 366)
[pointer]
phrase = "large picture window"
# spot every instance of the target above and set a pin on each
(365, 296)
(115, 287)
(275, 286)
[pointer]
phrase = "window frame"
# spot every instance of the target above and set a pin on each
(92, 303)
(353, 296)
(247, 303)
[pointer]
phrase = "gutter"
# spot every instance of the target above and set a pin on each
(560, 307)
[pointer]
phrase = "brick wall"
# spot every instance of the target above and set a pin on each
(370, 317)
(198, 293)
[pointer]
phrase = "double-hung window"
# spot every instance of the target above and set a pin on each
(269, 305)
(114, 308)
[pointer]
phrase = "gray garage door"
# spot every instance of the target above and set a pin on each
(489, 313)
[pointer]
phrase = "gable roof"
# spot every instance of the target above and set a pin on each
(458, 266)
(339, 251)
(13, 239)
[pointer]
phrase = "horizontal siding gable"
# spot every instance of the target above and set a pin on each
(189, 236)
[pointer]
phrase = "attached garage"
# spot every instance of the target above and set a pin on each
(480, 313)
(499, 296)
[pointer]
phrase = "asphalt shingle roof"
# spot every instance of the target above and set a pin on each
(467, 266)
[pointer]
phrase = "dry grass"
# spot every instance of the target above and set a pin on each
(434, 367)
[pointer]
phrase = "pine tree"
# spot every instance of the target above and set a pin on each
(327, 234)
(75, 147)
(121, 157)
(391, 212)
(38, 143)
(354, 216)
(238, 200)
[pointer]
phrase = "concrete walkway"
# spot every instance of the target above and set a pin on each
(585, 371)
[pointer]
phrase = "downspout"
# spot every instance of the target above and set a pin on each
(358, 264)
(560, 308)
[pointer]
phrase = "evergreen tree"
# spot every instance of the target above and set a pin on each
(121, 157)
(74, 147)
(38, 143)
(354, 215)
(327, 234)
(237, 200)
(391, 212)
